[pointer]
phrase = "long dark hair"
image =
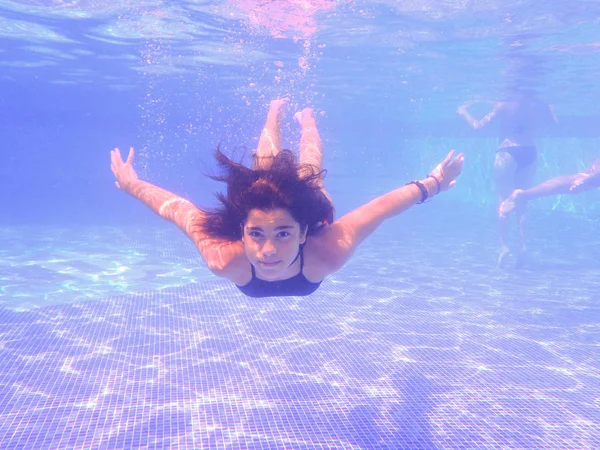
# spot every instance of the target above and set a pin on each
(277, 186)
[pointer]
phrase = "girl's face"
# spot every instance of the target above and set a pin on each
(272, 241)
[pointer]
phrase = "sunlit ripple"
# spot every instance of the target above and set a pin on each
(30, 32)
(86, 266)
(346, 370)
(418, 35)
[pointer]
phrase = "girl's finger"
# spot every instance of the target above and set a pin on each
(448, 158)
(130, 157)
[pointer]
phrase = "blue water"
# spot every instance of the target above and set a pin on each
(113, 334)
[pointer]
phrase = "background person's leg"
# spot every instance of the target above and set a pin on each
(553, 186)
(505, 172)
(524, 180)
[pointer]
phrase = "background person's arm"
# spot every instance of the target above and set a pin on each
(475, 123)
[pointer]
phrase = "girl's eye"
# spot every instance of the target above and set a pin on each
(283, 234)
(254, 234)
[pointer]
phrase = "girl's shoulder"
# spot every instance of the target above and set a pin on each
(320, 257)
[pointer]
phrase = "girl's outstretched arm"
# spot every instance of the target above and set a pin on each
(339, 241)
(218, 255)
(164, 203)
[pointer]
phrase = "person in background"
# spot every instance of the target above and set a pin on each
(519, 118)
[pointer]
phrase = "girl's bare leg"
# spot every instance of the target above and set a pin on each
(269, 144)
(311, 147)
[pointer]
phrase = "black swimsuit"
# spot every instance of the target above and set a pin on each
(297, 285)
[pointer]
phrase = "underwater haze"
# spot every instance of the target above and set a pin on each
(114, 333)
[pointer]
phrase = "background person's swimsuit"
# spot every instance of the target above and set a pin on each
(297, 285)
(524, 155)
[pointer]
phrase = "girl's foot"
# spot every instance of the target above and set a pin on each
(277, 109)
(305, 118)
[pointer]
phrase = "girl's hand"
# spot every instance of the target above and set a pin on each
(448, 170)
(124, 171)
